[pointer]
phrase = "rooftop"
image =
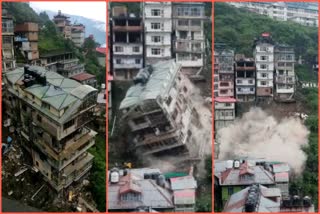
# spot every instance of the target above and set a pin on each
(82, 76)
(58, 91)
(151, 82)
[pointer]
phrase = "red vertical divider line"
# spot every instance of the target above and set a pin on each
(212, 103)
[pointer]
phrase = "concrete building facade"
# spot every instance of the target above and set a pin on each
(189, 40)
(53, 114)
(157, 17)
(26, 38)
(264, 59)
(63, 25)
(127, 44)
(245, 79)
(78, 34)
(8, 59)
(284, 73)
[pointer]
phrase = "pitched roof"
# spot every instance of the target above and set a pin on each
(130, 184)
(101, 50)
(185, 182)
(237, 201)
(82, 76)
(260, 175)
(59, 92)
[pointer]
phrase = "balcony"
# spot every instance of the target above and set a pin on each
(245, 68)
(127, 28)
(78, 165)
(128, 66)
(285, 80)
(245, 90)
(188, 28)
(153, 138)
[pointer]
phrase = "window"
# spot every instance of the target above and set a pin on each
(251, 89)
(68, 124)
(169, 101)
(155, 51)
(228, 104)
(37, 163)
(185, 89)
(195, 23)
(155, 25)
(250, 81)
(263, 83)
(263, 48)
(135, 49)
(230, 190)
(263, 66)
(239, 81)
(137, 61)
(39, 118)
(263, 57)
(195, 12)
(156, 39)
(139, 120)
(118, 61)
(183, 22)
(119, 49)
(155, 12)
(264, 75)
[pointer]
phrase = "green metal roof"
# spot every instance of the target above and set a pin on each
(59, 92)
(174, 174)
(153, 83)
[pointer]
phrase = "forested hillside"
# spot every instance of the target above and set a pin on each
(238, 28)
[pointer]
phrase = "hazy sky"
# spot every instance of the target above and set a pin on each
(93, 9)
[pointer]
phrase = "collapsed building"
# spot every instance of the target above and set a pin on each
(161, 113)
(132, 189)
(53, 114)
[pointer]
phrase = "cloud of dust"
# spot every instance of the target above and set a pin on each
(259, 135)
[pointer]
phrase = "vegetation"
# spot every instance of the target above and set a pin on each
(204, 196)
(98, 174)
(238, 28)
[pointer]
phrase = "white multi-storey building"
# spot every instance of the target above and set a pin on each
(302, 13)
(284, 73)
(264, 59)
(188, 26)
(157, 18)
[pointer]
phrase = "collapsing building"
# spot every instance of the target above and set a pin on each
(161, 113)
(7, 49)
(53, 115)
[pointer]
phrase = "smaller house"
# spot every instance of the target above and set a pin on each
(85, 79)
(184, 191)
(101, 54)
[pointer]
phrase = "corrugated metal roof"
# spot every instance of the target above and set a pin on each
(281, 177)
(59, 92)
(282, 167)
(237, 201)
(158, 83)
(187, 196)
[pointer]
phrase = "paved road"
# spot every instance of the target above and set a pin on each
(9, 205)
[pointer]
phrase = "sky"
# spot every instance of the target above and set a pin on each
(93, 10)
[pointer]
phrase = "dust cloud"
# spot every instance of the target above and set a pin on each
(259, 135)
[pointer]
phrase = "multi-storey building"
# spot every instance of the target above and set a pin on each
(302, 13)
(26, 38)
(69, 67)
(160, 112)
(224, 112)
(245, 79)
(127, 43)
(157, 18)
(63, 25)
(8, 59)
(284, 73)
(264, 59)
(53, 113)
(78, 34)
(224, 67)
(189, 39)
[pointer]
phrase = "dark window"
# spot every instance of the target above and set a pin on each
(68, 124)
(169, 100)
(230, 190)
(39, 118)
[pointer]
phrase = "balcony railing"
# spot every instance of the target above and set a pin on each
(127, 28)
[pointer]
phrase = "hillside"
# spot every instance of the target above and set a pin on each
(238, 28)
(97, 28)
